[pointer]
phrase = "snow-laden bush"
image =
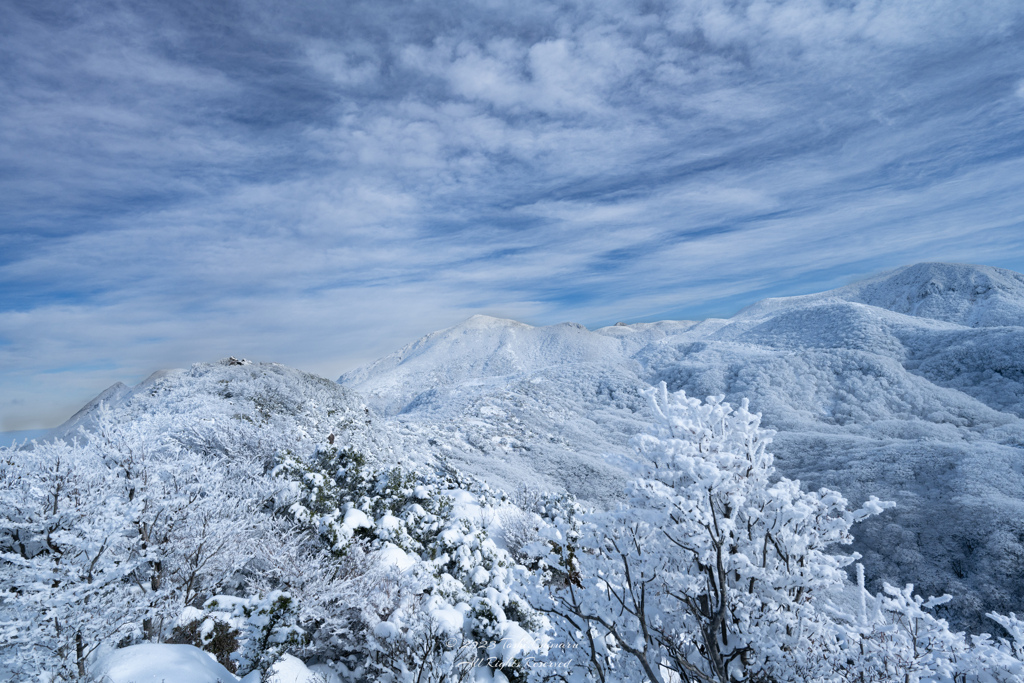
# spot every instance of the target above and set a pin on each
(66, 558)
(258, 629)
(118, 538)
(445, 600)
(894, 637)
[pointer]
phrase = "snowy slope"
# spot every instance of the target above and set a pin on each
(909, 386)
(85, 417)
(481, 347)
(969, 295)
(236, 405)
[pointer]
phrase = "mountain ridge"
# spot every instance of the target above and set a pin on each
(925, 411)
(951, 292)
(923, 405)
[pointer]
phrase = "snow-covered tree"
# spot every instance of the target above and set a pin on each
(66, 560)
(444, 599)
(893, 636)
(194, 514)
(709, 573)
(105, 540)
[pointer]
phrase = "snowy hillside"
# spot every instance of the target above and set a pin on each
(973, 296)
(223, 407)
(248, 510)
(909, 386)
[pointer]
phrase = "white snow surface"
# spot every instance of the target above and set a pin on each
(291, 670)
(908, 386)
(152, 663)
(513, 643)
(393, 556)
(163, 663)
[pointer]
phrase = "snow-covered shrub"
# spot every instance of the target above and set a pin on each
(211, 635)
(344, 499)
(105, 540)
(444, 600)
(261, 628)
(558, 535)
(894, 637)
(520, 529)
(522, 521)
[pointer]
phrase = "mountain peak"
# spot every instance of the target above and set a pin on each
(490, 322)
(481, 346)
(959, 293)
(970, 295)
(112, 395)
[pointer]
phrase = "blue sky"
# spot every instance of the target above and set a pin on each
(317, 183)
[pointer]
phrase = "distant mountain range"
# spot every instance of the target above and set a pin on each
(908, 386)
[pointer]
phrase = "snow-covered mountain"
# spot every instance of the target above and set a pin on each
(975, 296)
(909, 386)
(221, 480)
(235, 405)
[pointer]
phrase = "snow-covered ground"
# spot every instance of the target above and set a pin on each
(162, 663)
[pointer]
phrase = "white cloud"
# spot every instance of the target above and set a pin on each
(357, 65)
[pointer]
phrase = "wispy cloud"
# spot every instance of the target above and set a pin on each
(317, 184)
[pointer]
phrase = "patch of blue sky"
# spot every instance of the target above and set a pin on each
(23, 298)
(98, 365)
